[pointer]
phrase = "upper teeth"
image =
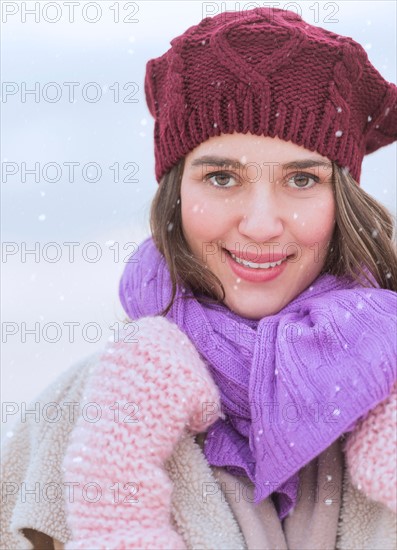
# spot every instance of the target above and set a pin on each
(255, 265)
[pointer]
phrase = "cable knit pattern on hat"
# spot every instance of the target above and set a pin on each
(149, 394)
(268, 72)
(371, 453)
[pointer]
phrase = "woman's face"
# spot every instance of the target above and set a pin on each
(265, 200)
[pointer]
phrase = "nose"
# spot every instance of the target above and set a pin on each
(261, 217)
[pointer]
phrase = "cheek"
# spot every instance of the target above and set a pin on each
(202, 219)
(315, 224)
(194, 227)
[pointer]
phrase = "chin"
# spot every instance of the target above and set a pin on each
(252, 311)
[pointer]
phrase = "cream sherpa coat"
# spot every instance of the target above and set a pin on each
(188, 504)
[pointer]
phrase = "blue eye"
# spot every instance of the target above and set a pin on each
(302, 180)
(219, 180)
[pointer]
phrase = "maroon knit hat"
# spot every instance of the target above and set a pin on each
(268, 72)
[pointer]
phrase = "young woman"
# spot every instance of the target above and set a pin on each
(252, 405)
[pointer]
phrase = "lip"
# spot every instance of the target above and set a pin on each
(257, 275)
(258, 258)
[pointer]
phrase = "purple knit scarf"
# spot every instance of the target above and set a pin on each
(290, 383)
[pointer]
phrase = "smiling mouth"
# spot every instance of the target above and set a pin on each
(256, 265)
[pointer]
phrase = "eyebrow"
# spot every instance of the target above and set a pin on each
(234, 163)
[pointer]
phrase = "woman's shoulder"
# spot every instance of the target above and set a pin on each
(32, 453)
(55, 403)
(71, 381)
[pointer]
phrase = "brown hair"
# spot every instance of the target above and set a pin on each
(363, 238)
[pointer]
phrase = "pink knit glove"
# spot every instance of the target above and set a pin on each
(123, 496)
(371, 453)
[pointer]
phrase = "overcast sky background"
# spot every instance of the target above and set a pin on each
(106, 132)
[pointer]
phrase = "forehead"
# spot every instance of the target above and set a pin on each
(240, 148)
